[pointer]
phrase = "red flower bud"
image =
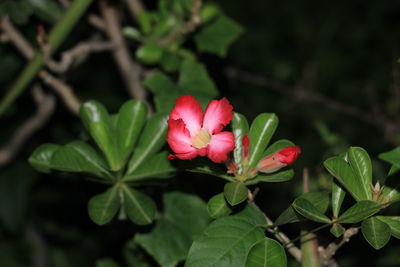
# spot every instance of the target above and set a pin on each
(246, 143)
(279, 159)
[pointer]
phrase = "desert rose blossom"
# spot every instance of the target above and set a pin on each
(279, 159)
(192, 132)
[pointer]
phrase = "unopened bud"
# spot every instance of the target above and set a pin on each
(279, 159)
(246, 144)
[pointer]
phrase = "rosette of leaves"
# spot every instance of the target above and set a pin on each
(123, 154)
(353, 175)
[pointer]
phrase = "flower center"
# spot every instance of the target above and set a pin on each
(201, 139)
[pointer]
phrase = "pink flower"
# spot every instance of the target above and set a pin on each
(279, 159)
(192, 133)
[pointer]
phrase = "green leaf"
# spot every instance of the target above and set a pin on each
(240, 127)
(359, 211)
(195, 80)
(235, 192)
(277, 146)
(308, 210)
(144, 19)
(97, 121)
(217, 206)
(343, 172)
(281, 176)
(208, 12)
(261, 131)
(164, 89)
(337, 230)
(157, 167)
(149, 53)
(204, 166)
(393, 222)
(78, 156)
(392, 156)
(227, 241)
(139, 207)
(103, 207)
(320, 200)
(41, 157)
(266, 253)
(376, 232)
(151, 140)
(337, 198)
(218, 36)
(394, 169)
(184, 218)
(46, 10)
(131, 119)
(361, 164)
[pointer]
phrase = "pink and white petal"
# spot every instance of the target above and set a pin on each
(178, 137)
(220, 146)
(189, 110)
(218, 114)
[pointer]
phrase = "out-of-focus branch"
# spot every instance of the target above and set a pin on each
(274, 230)
(65, 91)
(45, 105)
(130, 71)
(135, 7)
(328, 252)
(81, 50)
(186, 28)
(302, 95)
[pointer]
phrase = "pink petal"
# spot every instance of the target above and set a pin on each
(189, 110)
(218, 114)
(220, 146)
(178, 137)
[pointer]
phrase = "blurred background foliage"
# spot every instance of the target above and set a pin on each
(328, 70)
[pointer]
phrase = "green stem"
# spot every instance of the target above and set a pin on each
(309, 250)
(56, 37)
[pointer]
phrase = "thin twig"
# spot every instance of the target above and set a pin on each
(45, 105)
(81, 50)
(300, 94)
(328, 252)
(186, 28)
(130, 71)
(306, 180)
(135, 7)
(16, 38)
(97, 22)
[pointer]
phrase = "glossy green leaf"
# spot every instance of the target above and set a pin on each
(80, 157)
(376, 232)
(266, 253)
(149, 54)
(394, 169)
(139, 207)
(277, 146)
(240, 127)
(218, 35)
(390, 193)
(338, 195)
(393, 222)
(131, 119)
(359, 211)
(41, 157)
(157, 167)
(151, 140)
(195, 80)
(261, 131)
(361, 164)
(208, 12)
(97, 121)
(308, 210)
(281, 176)
(337, 230)
(227, 241)
(184, 218)
(235, 192)
(343, 172)
(392, 156)
(103, 207)
(320, 200)
(218, 207)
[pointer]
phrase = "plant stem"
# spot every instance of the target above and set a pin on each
(55, 39)
(309, 250)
